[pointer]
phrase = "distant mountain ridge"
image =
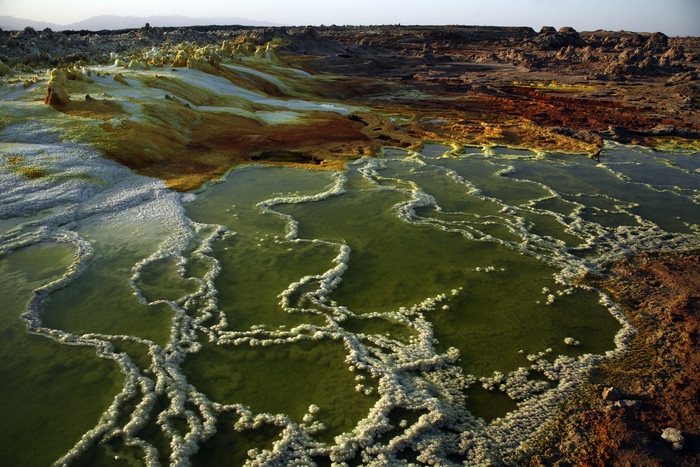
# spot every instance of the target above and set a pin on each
(98, 23)
(10, 23)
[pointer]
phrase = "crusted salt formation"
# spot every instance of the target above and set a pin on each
(56, 95)
(555, 222)
(234, 102)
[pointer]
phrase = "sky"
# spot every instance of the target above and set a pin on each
(672, 17)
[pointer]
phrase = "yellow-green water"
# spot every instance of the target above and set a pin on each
(413, 308)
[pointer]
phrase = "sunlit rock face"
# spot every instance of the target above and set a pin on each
(414, 301)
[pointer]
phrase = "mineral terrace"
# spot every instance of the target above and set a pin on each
(559, 90)
(400, 86)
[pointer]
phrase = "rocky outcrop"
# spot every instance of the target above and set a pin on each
(5, 70)
(549, 38)
(656, 41)
(56, 95)
(309, 42)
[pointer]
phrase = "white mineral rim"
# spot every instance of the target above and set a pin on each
(69, 207)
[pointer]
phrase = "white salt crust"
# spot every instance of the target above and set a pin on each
(66, 206)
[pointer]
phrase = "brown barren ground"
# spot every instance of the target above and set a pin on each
(552, 90)
(658, 379)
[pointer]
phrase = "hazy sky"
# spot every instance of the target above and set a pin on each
(673, 17)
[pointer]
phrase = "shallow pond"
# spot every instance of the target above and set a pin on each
(415, 307)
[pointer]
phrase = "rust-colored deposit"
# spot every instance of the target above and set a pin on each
(189, 148)
(552, 90)
(657, 379)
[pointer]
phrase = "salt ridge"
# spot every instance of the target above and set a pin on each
(122, 196)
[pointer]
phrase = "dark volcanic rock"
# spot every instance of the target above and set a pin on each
(308, 41)
(657, 41)
(552, 39)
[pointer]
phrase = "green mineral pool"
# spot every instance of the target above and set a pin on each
(419, 307)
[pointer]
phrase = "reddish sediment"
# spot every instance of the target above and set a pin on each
(657, 379)
(552, 90)
(218, 141)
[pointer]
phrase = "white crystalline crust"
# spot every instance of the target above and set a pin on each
(65, 208)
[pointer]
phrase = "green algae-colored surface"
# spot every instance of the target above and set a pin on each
(289, 316)
(230, 447)
(284, 379)
(50, 394)
(381, 244)
(101, 301)
(160, 280)
(242, 280)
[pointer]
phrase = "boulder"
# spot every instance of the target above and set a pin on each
(610, 394)
(673, 436)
